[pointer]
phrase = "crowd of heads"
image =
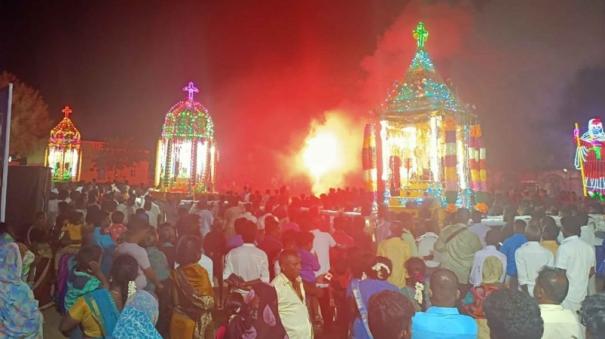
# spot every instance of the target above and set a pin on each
(509, 313)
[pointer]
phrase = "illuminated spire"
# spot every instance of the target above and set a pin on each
(421, 35)
(190, 89)
(66, 111)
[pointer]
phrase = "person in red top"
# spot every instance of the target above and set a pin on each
(117, 228)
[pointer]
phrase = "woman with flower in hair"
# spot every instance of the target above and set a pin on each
(416, 288)
(360, 291)
(97, 312)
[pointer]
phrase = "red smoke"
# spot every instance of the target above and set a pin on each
(269, 110)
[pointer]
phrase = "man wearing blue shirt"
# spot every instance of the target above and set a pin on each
(509, 247)
(442, 320)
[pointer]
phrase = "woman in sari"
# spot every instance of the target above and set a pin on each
(473, 301)
(359, 293)
(192, 294)
(19, 314)
(97, 312)
(138, 318)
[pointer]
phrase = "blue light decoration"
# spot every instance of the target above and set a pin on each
(387, 196)
(436, 192)
(465, 198)
(422, 60)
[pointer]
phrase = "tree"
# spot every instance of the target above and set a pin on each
(30, 122)
(117, 154)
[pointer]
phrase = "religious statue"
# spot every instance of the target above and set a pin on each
(589, 156)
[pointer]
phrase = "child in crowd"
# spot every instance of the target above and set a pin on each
(85, 274)
(117, 228)
(103, 239)
(72, 230)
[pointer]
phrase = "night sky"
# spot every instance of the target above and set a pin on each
(266, 69)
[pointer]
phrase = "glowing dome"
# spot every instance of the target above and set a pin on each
(186, 150)
(63, 152)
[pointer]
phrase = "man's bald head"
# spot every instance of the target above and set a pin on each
(444, 288)
(551, 286)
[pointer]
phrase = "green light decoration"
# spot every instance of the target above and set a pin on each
(421, 35)
(188, 118)
(597, 152)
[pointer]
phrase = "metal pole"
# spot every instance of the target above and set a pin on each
(578, 144)
(5, 151)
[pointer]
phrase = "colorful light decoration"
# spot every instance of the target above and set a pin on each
(63, 154)
(589, 158)
(186, 154)
(429, 142)
(369, 162)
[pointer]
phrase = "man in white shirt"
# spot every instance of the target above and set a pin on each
(208, 265)
(291, 299)
(550, 290)
(531, 257)
(247, 261)
(202, 210)
(321, 245)
(135, 235)
(492, 238)
(577, 258)
(153, 211)
(426, 243)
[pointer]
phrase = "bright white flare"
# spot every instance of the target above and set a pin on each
(331, 151)
(321, 154)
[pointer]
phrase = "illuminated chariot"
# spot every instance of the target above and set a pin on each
(186, 154)
(423, 141)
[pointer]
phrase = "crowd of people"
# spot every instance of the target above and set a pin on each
(120, 262)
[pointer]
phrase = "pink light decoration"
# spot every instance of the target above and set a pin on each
(190, 89)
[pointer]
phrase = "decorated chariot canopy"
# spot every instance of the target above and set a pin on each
(186, 155)
(427, 141)
(422, 89)
(63, 152)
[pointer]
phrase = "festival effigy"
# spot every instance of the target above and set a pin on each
(589, 157)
